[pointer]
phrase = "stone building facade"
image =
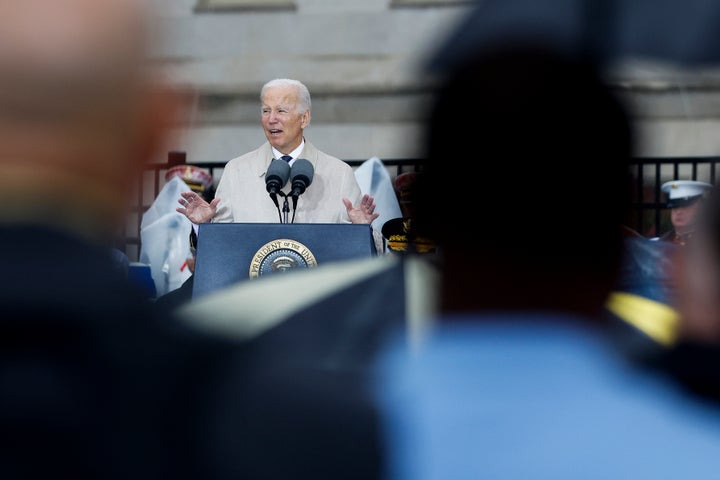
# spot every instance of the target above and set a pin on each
(363, 62)
(361, 59)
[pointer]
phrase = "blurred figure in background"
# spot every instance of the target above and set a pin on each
(200, 181)
(94, 383)
(694, 358)
(399, 231)
(165, 243)
(519, 378)
(684, 199)
(644, 304)
(641, 307)
(697, 274)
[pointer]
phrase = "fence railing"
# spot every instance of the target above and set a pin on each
(649, 217)
(154, 179)
(649, 173)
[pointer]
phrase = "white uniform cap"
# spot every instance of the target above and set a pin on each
(682, 193)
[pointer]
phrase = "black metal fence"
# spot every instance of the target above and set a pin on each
(649, 173)
(154, 179)
(649, 215)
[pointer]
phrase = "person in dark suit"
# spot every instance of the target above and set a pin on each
(520, 377)
(94, 381)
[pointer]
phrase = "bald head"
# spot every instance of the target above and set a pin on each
(60, 57)
(69, 40)
(77, 119)
(65, 33)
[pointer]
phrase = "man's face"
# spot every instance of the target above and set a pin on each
(684, 217)
(281, 121)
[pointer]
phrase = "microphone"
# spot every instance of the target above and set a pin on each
(301, 174)
(276, 177)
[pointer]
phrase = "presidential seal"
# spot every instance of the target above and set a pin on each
(281, 255)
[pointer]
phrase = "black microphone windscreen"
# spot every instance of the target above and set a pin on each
(277, 175)
(302, 171)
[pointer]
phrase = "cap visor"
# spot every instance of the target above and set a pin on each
(682, 202)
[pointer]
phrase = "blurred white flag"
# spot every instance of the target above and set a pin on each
(375, 180)
(164, 236)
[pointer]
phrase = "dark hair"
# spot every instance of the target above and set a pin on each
(530, 150)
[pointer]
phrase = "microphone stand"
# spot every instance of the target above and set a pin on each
(295, 199)
(273, 195)
(286, 208)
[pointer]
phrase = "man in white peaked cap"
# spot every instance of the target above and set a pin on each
(684, 201)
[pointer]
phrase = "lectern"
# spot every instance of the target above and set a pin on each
(228, 253)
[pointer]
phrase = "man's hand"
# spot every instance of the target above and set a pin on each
(196, 209)
(362, 212)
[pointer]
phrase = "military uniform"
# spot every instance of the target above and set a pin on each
(682, 193)
(679, 239)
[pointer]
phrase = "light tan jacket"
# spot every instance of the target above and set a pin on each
(244, 198)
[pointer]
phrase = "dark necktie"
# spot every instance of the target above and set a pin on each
(287, 158)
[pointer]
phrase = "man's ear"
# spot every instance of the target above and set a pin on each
(305, 119)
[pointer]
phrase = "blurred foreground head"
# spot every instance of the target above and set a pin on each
(527, 182)
(79, 115)
(696, 275)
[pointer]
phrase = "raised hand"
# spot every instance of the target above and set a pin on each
(363, 212)
(195, 208)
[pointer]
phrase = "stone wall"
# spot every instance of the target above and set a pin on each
(363, 62)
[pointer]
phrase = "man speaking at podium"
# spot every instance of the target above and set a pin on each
(247, 193)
